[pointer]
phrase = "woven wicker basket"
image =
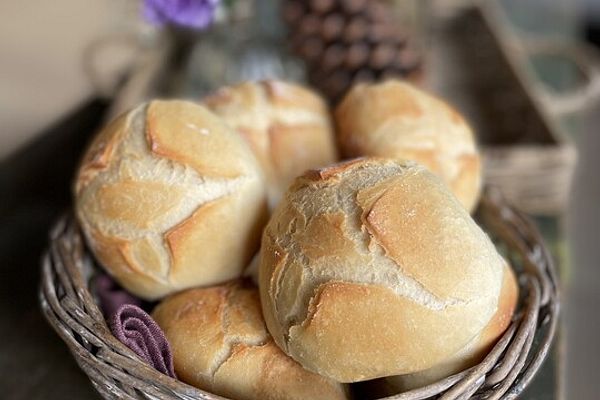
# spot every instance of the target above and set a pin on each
(480, 65)
(117, 373)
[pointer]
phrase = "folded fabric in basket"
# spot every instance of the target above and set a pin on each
(111, 296)
(138, 331)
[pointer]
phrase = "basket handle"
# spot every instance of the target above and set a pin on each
(524, 44)
(585, 58)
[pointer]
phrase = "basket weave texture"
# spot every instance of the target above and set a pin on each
(117, 373)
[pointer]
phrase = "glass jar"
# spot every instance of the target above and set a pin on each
(246, 43)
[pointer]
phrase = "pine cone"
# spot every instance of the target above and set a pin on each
(347, 41)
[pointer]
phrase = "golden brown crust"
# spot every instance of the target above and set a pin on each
(286, 94)
(169, 197)
(287, 126)
(469, 166)
(394, 119)
(276, 257)
(144, 202)
(201, 227)
(372, 268)
(389, 102)
(117, 257)
(184, 132)
(321, 243)
(330, 172)
(369, 315)
(382, 214)
(504, 312)
(220, 344)
(293, 150)
(100, 151)
(471, 354)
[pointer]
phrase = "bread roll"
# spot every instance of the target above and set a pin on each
(395, 119)
(287, 126)
(473, 352)
(465, 358)
(169, 197)
(220, 344)
(372, 268)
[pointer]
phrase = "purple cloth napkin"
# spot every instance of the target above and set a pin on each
(111, 296)
(138, 331)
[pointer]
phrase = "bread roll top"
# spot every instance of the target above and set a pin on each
(159, 192)
(395, 119)
(287, 126)
(373, 268)
(220, 344)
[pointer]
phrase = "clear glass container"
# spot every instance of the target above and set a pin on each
(248, 43)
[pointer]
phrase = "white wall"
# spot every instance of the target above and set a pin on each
(41, 47)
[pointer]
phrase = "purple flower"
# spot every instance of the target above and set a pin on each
(197, 14)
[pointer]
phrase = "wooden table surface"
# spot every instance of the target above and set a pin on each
(34, 186)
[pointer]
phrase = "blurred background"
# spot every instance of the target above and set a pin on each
(525, 72)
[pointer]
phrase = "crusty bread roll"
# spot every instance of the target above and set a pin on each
(220, 344)
(466, 357)
(395, 119)
(372, 268)
(474, 351)
(169, 197)
(287, 126)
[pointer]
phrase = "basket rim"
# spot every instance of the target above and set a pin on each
(116, 372)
